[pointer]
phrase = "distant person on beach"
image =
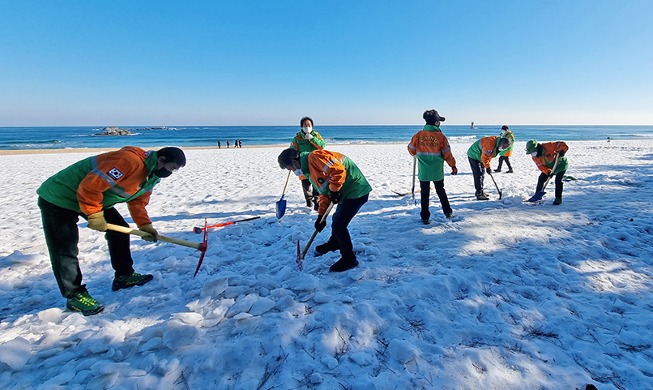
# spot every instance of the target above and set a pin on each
(89, 189)
(480, 154)
(432, 149)
(219, 145)
(340, 182)
(240, 144)
(308, 140)
(544, 155)
(505, 154)
(228, 144)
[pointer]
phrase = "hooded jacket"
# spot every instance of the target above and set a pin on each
(99, 182)
(432, 149)
(330, 172)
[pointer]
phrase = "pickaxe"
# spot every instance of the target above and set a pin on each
(200, 246)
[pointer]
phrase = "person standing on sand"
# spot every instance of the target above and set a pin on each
(480, 155)
(308, 140)
(544, 156)
(340, 182)
(505, 155)
(432, 149)
(89, 189)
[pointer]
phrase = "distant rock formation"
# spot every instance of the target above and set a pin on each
(114, 131)
(160, 128)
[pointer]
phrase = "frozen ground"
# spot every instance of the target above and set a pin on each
(511, 296)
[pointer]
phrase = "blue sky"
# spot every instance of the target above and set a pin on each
(341, 62)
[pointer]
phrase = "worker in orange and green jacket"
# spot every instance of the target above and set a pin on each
(338, 181)
(308, 140)
(432, 149)
(505, 154)
(480, 154)
(89, 189)
(545, 155)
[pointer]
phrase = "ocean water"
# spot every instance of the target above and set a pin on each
(83, 137)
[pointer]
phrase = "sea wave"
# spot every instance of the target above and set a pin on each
(44, 144)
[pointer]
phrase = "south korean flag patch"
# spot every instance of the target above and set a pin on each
(115, 174)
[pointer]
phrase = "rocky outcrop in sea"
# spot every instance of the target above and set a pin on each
(114, 131)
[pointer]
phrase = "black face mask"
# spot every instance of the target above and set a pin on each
(162, 172)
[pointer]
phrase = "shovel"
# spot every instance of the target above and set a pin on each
(495, 184)
(540, 194)
(281, 203)
(300, 256)
(412, 190)
(200, 246)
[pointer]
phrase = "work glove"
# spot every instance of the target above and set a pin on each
(335, 196)
(153, 234)
(561, 153)
(319, 224)
(97, 222)
(488, 170)
(454, 170)
(308, 136)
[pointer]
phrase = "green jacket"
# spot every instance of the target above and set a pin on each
(301, 144)
(508, 152)
(324, 169)
(484, 150)
(431, 148)
(75, 187)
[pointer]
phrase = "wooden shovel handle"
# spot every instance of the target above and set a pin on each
(308, 244)
(142, 234)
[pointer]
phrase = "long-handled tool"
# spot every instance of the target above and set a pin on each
(200, 246)
(412, 189)
(495, 184)
(539, 194)
(199, 230)
(300, 256)
(281, 203)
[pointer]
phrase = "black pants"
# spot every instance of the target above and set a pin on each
(62, 237)
(425, 192)
(478, 170)
(507, 160)
(345, 212)
(558, 183)
(309, 190)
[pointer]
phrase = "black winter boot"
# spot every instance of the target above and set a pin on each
(329, 246)
(344, 264)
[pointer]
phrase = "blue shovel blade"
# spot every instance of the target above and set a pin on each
(281, 207)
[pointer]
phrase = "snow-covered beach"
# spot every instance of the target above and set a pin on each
(511, 296)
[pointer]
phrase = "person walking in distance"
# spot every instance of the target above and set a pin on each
(432, 149)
